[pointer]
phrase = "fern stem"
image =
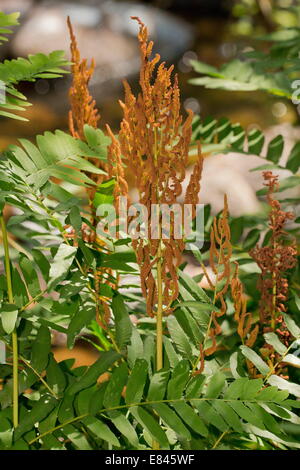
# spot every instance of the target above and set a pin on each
(14, 333)
(58, 225)
(159, 312)
(159, 316)
(159, 326)
(219, 440)
(210, 318)
(145, 403)
(274, 297)
(27, 364)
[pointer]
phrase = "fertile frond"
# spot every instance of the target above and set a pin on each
(155, 143)
(220, 263)
(274, 260)
(83, 107)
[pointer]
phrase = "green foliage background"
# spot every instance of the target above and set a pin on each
(62, 407)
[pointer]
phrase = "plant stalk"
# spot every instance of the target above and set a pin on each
(14, 333)
(159, 312)
(274, 293)
(159, 325)
(159, 315)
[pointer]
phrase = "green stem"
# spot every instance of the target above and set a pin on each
(159, 312)
(27, 364)
(219, 440)
(34, 299)
(145, 403)
(274, 298)
(14, 333)
(62, 231)
(159, 315)
(273, 368)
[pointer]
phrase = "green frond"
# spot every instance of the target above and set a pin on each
(216, 406)
(56, 155)
(222, 136)
(31, 69)
(241, 76)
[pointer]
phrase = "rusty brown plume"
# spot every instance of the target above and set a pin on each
(220, 262)
(274, 260)
(83, 107)
(84, 111)
(245, 329)
(155, 144)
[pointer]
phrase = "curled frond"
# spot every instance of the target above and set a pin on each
(274, 260)
(220, 263)
(244, 319)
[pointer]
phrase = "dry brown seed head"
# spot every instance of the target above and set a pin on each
(83, 107)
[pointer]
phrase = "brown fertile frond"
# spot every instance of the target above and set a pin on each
(201, 360)
(155, 144)
(103, 311)
(115, 170)
(220, 263)
(243, 318)
(193, 188)
(83, 106)
(116, 167)
(274, 260)
(84, 111)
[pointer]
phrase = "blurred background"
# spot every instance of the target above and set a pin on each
(213, 31)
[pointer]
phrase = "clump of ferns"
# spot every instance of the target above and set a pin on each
(275, 260)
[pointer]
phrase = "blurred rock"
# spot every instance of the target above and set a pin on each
(11, 6)
(84, 354)
(227, 174)
(40, 117)
(104, 32)
(46, 30)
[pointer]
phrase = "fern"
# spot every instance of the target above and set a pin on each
(12, 72)
(273, 71)
(56, 155)
(222, 136)
(6, 22)
(194, 408)
(15, 71)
